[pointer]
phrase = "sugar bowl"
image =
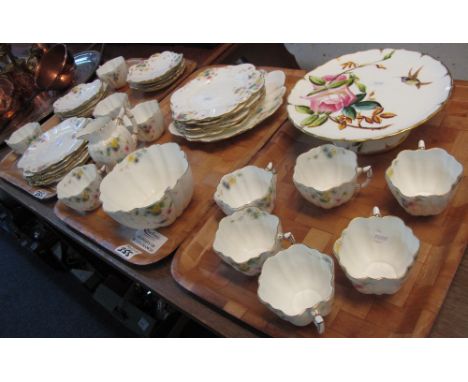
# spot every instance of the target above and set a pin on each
(327, 175)
(376, 253)
(79, 189)
(245, 239)
(424, 181)
(297, 284)
(249, 186)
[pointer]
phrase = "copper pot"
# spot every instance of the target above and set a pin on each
(56, 69)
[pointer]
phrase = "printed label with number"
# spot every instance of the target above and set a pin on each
(127, 251)
(149, 240)
(40, 194)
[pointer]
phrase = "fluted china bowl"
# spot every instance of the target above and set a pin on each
(79, 189)
(245, 239)
(22, 138)
(149, 188)
(298, 285)
(149, 120)
(376, 253)
(114, 72)
(249, 186)
(111, 105)
(424, 181)
(327, 175)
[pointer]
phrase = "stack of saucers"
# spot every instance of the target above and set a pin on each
(81, 100)
(225, 101)
(51, 156)
(157, 72)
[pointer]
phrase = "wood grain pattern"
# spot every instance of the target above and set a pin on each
(12, 174)
(209, 162)
(408, 313)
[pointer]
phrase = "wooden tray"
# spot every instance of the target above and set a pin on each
(209, 162)
(12, 174)
(413, 309)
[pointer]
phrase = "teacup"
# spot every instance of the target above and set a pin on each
(79, 189)
(424, 181)
(114, 72)
(327, 175)
(148, 121)
(249, 186)
(20, 140)
(111, 105)
(298, 285)
(245, 239)
(376, 253)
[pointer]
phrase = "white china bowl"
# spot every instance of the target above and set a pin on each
(298, 285)
(424, 181)
(245, 239)
(376, 253)
(79, 189)
(149, 120)
(111, 105)
(249, 186)
(114, 72)
(22, 138)
(327, 175)
(149, 188)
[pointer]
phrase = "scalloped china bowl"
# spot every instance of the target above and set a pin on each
(376, 253)
(149, 188)
(114, 72)
(327, 175)
(79, 189)
(20, 140)
(149, 120)
(424, 181)
(298, 285)
(245, 239)
(249, 186)
(111, 105)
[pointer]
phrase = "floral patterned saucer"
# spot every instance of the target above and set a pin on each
(369, 101)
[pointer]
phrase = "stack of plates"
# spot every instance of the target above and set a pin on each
(157, 72)
(226, 101)
(81, 100)
(51, 156)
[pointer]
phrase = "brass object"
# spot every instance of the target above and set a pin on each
(56, 69)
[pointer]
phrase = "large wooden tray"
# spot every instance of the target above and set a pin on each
(12, 174)
(209, 162)
(413, 309)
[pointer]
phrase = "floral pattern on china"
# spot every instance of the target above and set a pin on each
(216, 91)
(155, 66)
(369, 95)
(77, 96)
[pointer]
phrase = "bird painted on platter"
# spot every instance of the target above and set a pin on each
(412, 79)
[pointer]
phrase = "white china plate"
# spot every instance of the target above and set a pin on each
(216, 91)
(381, 92)
(275, 90)
(53, 146)
(155, 66)
(77, 96)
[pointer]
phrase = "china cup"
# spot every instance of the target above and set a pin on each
(22, 138)
(376, 253)
(298, 285)
(111, 105)
(249, 186)
(79, 189)
(245, 239)
(114, 72)
(424, 181)
(327, 175)
(149, 121)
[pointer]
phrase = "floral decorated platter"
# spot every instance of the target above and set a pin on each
(77, 96)
(154, 67)
(215, 92)
(369, 101)
(53, 146)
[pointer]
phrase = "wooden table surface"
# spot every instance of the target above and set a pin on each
(451, 321)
